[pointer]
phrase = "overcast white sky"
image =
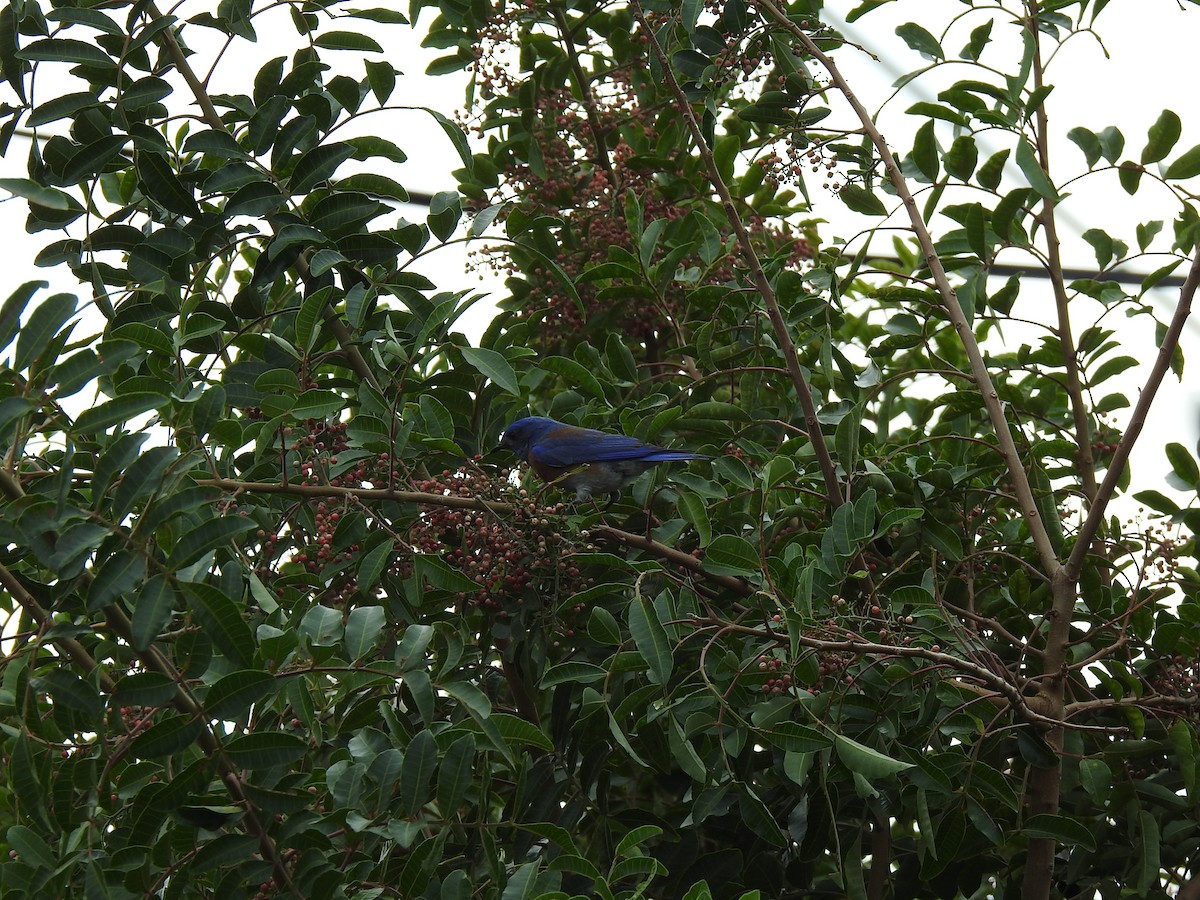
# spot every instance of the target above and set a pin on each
(1152, 45)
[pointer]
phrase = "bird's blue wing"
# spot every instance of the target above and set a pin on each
(571, 446)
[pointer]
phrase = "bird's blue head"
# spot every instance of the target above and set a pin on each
(524, 433)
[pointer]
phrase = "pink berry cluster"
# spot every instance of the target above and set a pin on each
(520, 555)
(1176, 676)
(591, 155)
(777, 682)
(787, 164)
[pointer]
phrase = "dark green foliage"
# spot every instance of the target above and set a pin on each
(282, 621)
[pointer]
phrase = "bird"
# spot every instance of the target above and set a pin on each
(584, 460)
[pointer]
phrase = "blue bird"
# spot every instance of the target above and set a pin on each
(584, 460)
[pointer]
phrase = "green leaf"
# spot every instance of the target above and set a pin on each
(10, 313)
(581, 672)
(473, 699)
(1130, 176)
(925, 151)
(143, 92)
(420, 761)
(651, 639)
(795, 738)
(636, 836)
(1102, 244)
(232, 695)
(695, 511)
(483, 219)
(574, 373)
(457, 138)
(1027, 162)
(119, 575)
(690, 63)
(494, 367)
(1185, 166)
(66, 50)
(1097, 779)
(975, 227)
(153, 610)
(521, 884)
(1149, 852)
(30, 848)
(167, 737)
(446, 65)
(382, 78)
(1112, 142)
(1183, 742)
(1063, 829)
(920, 40)
(943, 538)
(206, 537)
(364, 630)
(221, 619)
(729, 554)
(514, 729)
(265, 749)
(860, 200)
(1164, 134)
(316, 404)
(69, 691)
(866, 761)
(685, 754)
(992, 170)
(65, 106)
(374, 185)
(145, 689)
(347, 40)
(454, 774)
(12, 410)
(980, 37)
(218, 144)
(1146, 232)
(445, 210)
(39, 331)
(318, 165)
(160, 183)
(754, 813)
(603, 627)
(378, 14)
(442, 575)
(1158, 502)
(962, 157)
(1087, 141)
(322, 626)
(1183, 464)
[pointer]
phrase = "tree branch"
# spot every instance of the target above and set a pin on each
(979, 371)
(1084, 461)
(1137, 421)
(585, 89)
(833, 488)
(1001, 686)
(71, 647)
